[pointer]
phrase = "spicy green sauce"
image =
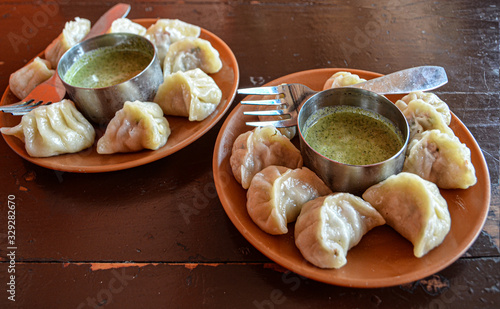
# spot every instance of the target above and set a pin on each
(105, 67)
(354, 136)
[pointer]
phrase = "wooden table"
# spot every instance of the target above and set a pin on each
(119, 240)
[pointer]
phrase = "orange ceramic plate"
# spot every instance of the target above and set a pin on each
(383, 257)
(184, 132)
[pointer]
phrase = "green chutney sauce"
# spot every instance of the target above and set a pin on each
(354, 136)
(106, 66)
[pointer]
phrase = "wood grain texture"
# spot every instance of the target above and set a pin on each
(164, 220)
(235, 285)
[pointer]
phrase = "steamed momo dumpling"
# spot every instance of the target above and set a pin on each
(277, 193)
(329, 226)
(167, 31)
(73, 32)
(414, 208)
(191, 94)
(24, 80)
(125, 25)
(264, 146)
(190, 53)
(138, 125)
(423, 116)
(441, 159)
(342, 79)
(429, 98)
(53, 129)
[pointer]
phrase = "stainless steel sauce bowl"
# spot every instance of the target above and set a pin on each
(99, 105)
(341, 177)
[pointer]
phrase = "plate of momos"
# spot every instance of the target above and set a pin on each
(368, 241)
(199, 61)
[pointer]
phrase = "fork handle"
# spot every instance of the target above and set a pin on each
(102, 25)
(423, 78)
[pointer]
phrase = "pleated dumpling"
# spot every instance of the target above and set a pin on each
(138, 125)
(329, 226)
(414, 208)
(429, 98)
(125, 25)
(441, 159)
(191, 94)
(167, 31)
(342, 79)
(423, 116)
(277, 193)
(24, 80)
(190, 53)
(53, 129)
(263, 146)
(74, 31)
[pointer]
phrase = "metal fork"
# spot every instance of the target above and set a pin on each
(52, 90)
(292, 96)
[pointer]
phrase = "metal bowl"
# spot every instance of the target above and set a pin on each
(341, 177)
(100, 104)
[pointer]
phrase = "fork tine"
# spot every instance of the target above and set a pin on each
(260, 90)
(19, 112)
(285, 123)
(16, 105)
(263, 102)
(273, 112)
(290, 97)
(27, 109)
(28, 105)
(23, 106)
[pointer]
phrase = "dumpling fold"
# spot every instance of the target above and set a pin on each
(264, 146)
(277, 193)
(74, 31)
(53, 129)
(342, 79)
(329, 226)
(441, 159)
(191, 53)
(138, 125)
(429, 98)
(125, 25)
(191, 94)
(423, 116)
(24, 80)
(165, 32)
(414, 208)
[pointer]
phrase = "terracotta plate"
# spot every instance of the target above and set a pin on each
(383, 257)
(184, 132)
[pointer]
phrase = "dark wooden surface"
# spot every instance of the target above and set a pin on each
(120, 240)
